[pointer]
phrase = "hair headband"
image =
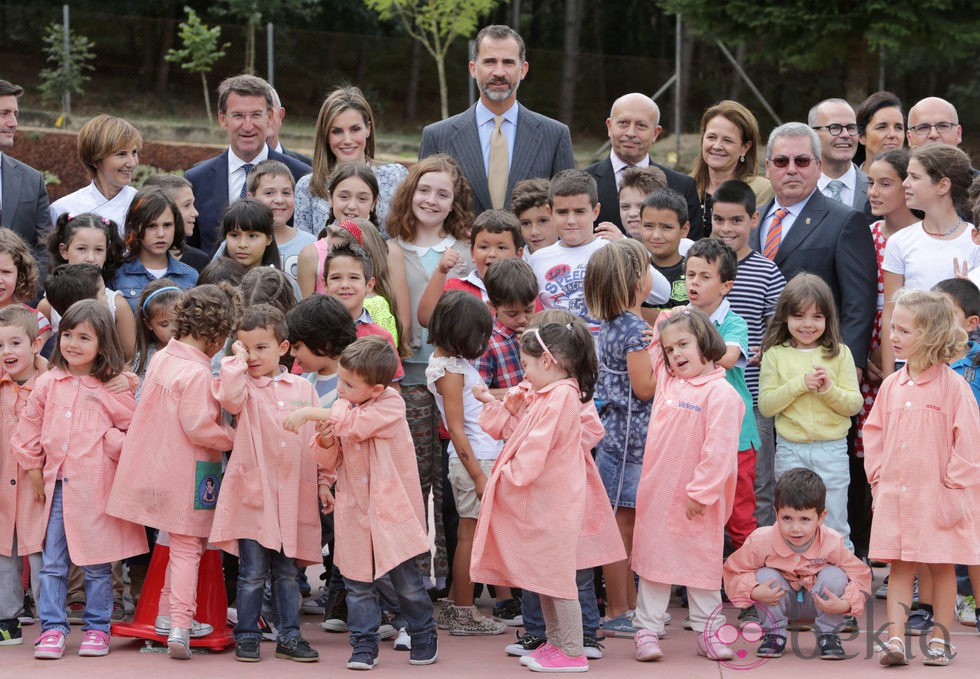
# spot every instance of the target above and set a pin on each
(354, 230)
(104, 220)
(155, 293)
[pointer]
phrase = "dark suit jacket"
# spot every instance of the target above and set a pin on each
(542, 148)
(210, 181)
(833, 241)
(24, 207)
(609, 196)
(296, 155)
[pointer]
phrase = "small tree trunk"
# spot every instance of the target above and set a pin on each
(443, 89)
(412, 90)
(207, 98)
(250, 48)
(569, 69)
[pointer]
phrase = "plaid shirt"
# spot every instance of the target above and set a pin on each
(500, 367)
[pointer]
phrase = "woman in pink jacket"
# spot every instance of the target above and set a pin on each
(69, 439)
(687, 485)
(533, 520)
(173, 451)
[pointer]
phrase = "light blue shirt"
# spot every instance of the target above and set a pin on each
(794, 211)
(485, 125)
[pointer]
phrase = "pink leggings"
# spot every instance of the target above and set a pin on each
(179, 592)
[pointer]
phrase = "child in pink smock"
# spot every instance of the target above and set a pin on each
(267, 511)
(171, 460)
(534, 531)
(69, 439)
(923, 464)
(687, 485)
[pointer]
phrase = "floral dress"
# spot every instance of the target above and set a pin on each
(869, 390)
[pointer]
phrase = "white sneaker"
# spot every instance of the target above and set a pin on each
(403, 642)
(198, 629)
(966, 610)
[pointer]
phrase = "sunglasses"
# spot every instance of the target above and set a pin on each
(799, 161)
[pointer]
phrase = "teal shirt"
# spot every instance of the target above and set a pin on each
(734, 330)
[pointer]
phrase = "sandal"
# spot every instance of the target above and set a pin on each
(939, 657)
(892, 652)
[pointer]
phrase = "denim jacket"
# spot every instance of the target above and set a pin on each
(132, 277)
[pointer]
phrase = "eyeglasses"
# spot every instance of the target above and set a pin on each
(922, 130)
(836, 128)
(799, 161)
(254, 116)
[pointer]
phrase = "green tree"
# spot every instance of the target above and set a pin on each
(67, 75)
(200, 51)
(435, 24)
(252, 13)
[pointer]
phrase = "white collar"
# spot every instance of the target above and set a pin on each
(235, 163)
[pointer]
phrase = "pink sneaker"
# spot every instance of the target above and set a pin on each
(557, 661)
(647, 646)
(96, 643)
(711, 648)
(541, 651)
(50, 645)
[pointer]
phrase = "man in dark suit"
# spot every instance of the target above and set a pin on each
(633, 125)
(244, 111)
(275, 124)
(840, 179)
(532, 145)
(818, 235)
(23, 196)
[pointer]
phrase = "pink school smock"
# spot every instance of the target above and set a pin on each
(533, 514)
(269, 490)
(73, 429)
(378, 518)
(691, 452)
(922, 457)
(176, 437)
(20, 515)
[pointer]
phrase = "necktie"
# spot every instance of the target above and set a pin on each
(248, 167)
(497, 175)
(775, 234)
(834, 188)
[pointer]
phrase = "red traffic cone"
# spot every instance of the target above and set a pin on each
(212, 602)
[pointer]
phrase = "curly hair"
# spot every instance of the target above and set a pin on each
(207, 312)
(23, 259)
(401, 216)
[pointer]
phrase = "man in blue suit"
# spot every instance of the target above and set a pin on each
(533, 145)
(244, 111)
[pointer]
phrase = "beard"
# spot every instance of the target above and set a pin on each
(499, 95)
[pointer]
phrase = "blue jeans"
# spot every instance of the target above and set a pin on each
(534, 619)
(54, 579)
(254, 564)
(364, 607)
(796, 605)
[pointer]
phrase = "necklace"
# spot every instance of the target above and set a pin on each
(943, 235)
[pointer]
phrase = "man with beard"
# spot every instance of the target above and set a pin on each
(497, 142)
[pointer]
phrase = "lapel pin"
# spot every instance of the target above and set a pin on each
(808, 221)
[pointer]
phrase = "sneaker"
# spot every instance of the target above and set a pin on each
(335, 620)
(403, 642)
(95, 644)
(557, 661)
(966, 611)
(50, 645)
(620, 626)
(386, 630)
(118, 612)
(317, 606)
(469, 622)
(850, 624)
(129, 606)
(26, 615)
(508, 612)
(198, 629)
(179, 643)
(268, 630)
(593, 649)
(425, 648)
(74, 611)
(526, 643)
(920, 622)
(647, 646)
(712, 649)
(247, 650)
(362, 660)
(688, 623)
(10, 634)
(830, 647)
(297, 649)
(882, 591)
(749, 616)
(772, 646)
(445, 611)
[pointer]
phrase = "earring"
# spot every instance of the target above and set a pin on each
(741, 159)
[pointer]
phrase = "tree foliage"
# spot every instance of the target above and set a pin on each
(200, 51)
(253, 12)
(435, 24)
(67, 75)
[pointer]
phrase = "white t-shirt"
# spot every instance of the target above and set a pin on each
(924, 260)
(560, 271)
(484, 447)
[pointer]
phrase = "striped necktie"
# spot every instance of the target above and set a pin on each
(775, 234)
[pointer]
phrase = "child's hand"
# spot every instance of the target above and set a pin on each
(482, 394)
(961, 269)
(830, 603)
(812, 381)
(769, 593)
(37, 484)
(513, 400)
(301, 416)
(648, 334)
(238, 349)
(450, 258)
(122, 383)
(694, 508)
(326, 498)
(825, 382)
(480, 483)
(609, 231)
(755, 356)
